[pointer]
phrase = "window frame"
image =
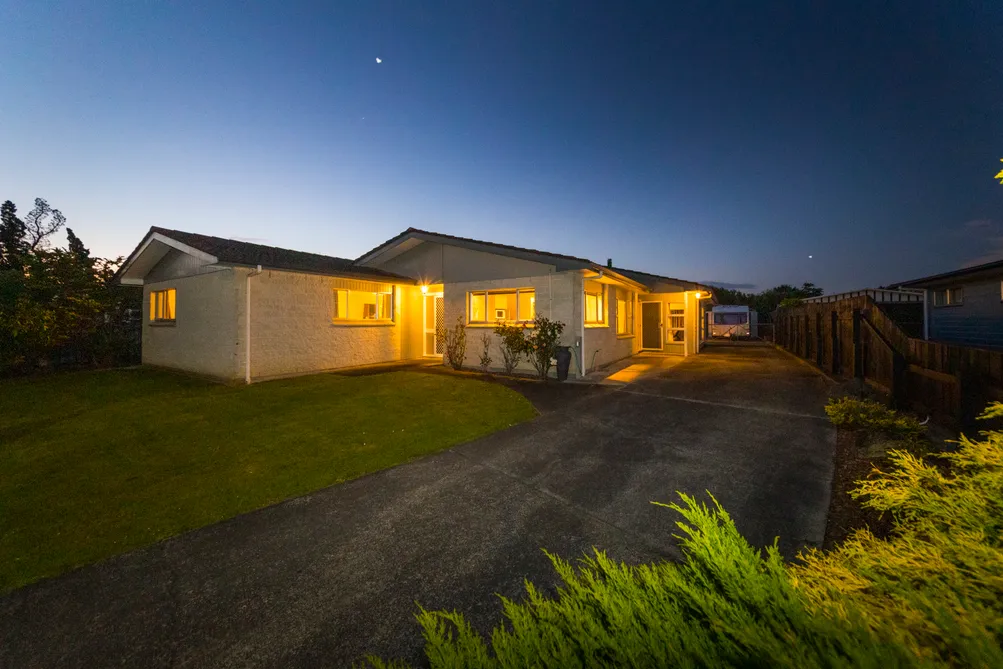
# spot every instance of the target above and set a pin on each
(159, 299)
(602, 307)
(946, 297)
(517, 292)
(381, 295)
(628, 307)
(669, 328)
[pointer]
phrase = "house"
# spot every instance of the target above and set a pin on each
(240, 311)
(964, 306)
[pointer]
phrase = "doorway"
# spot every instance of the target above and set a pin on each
(651, 326)
(432, 317)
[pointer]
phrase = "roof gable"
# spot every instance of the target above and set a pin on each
(218, 250)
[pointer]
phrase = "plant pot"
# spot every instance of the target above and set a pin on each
(563, 355)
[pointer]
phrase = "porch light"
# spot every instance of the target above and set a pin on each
(424, 290)
(697, 294)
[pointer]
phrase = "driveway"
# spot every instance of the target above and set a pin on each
(324, 579)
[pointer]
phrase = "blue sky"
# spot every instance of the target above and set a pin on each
(711, 141)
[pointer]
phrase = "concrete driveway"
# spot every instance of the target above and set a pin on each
(324, 579)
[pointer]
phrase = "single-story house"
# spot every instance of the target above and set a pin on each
(964, 306)
(240, 311)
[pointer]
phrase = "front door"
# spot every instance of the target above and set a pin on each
(432, 318)
(651, 325)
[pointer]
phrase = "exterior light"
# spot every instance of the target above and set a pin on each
(697, 294)
(424, 290)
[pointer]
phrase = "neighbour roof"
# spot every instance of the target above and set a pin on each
(234, 252)
(955, 274)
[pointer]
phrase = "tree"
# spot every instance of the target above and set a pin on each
(41, 223)
(13, 246)
(77, 248)
(767, 301)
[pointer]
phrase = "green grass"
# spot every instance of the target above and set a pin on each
(98, 463)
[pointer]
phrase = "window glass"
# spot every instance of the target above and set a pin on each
(957, 295)
(677, 323)
(730, 319)
(624, 313)
(361, 305)
(594, 309)
(501, 306)
(527, 305)
(162, 304)
(340, 304)
(477, 307)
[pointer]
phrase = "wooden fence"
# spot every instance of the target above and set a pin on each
(857, 338)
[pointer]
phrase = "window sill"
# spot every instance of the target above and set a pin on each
(625, 336)
(363, 323)
(162, 324)
(948, 306)
(597, 325)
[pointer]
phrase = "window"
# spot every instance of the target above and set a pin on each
(362, 305)
(730, 319)
(502, 306)
(162, 304)
(595, 304)
(948, 297)
(677, 323)
(624, 312)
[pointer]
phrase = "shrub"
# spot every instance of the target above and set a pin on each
(453, 342)
(513, 345)
(929, 595)
(857, 414)
(541, 344)
(485, 358)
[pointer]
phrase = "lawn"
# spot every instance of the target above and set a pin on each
(98, 463)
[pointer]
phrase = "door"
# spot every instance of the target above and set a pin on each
(432, 318)
(651, 325)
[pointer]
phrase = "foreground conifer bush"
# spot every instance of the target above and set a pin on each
(929, 595)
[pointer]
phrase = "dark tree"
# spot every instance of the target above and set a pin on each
(41, 223)
(13, 246)
(77, 248)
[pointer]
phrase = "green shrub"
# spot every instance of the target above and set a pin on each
(513, 345)
(929, 595)
(857, 414)
(453, 342)
(541, 344)
(484, 360)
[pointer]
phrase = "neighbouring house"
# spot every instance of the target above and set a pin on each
(964, 306)
(240, 311)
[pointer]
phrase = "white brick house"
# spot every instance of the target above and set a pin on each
(239, 311)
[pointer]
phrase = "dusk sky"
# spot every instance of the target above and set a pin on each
(720, 142)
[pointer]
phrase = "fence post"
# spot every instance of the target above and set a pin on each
(819, 347)
(805, 339)
(898, 389)
(858, 348)
(834, 333)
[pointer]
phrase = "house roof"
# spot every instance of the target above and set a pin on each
(976, 271)
(416, 232)
(649, 279)
(234, 252)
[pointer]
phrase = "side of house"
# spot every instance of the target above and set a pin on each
(965, 306)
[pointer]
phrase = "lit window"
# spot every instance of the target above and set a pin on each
(677, 323)
(595, 307)
(162, 303)
(502, 306)
(362, 305)
(624, 312)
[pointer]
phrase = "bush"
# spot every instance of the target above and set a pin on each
(856, 414)
(929, 595)
(454, 343)
(541, 344)
(485, 358)
(513, 345)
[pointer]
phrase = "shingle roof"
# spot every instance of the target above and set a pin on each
(955, 274)
(481, 242)
(647, 278)
(235, 252)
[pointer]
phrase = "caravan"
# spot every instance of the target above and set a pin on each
(732, 321)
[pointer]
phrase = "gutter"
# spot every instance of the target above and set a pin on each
(247, 326)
